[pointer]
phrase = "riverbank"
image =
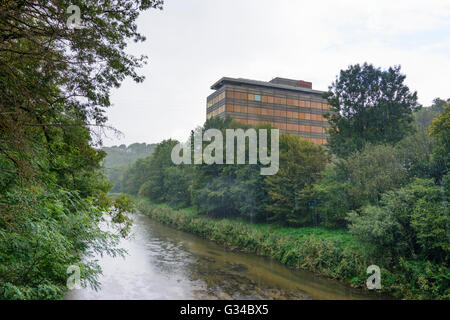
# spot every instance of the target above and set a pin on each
(165, 263)
(324, 252)
(329, 253)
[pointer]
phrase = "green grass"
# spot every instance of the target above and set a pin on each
(338, 236)
(342, 237)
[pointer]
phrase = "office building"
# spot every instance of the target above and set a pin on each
(292, 106)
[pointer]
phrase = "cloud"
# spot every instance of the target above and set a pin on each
(193, 43)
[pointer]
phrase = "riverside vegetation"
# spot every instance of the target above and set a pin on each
(331, 253)
(55, 84)
(377, 193)
(381, 184)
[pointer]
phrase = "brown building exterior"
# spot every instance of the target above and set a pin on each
(292, 106)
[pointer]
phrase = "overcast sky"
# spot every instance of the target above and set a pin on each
(193, 43)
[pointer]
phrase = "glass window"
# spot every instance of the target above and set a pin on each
(257, 97)
(253, 110)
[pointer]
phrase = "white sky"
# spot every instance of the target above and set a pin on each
(193, 43)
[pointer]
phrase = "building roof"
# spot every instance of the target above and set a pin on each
(225, 80)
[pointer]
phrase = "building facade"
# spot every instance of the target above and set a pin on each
(292, 106)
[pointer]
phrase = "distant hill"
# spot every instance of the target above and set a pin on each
(119, 158)
(123, 155)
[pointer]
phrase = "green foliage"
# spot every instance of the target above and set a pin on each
(379, 232)
(411, 222)
(440, 129)
(115, 175)
(155, 175)
(37, 247)
(415, 153)
(135, 176)
(121, 205)
(361, 179)
(231, 190)
(421, 280)
(177, 185)
(368, 105)
(423, 117)
(388, 182)
(119, 159)
(122, 155)
(55, 84)
(290, 189)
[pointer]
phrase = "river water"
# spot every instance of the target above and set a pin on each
(164, 263)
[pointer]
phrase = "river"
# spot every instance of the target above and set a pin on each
(165, 263)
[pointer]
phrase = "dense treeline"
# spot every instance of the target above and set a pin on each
(123, 155)
(233, 190)
(55, 84)
(383, 176)
(119, 158)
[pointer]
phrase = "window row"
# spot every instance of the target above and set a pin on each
(285, 126)
(216, 99)
(275, 113)
(289, 127)
(276, 100)
(215, 112)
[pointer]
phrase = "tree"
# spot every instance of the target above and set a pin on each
(424, 116)
(152, 181)
(233, 189)
(177, 185)
(415, 153)
(440, 129)
(55, 84)
(134, 176)
(300, 165)
(115, 175)
(361, 179)
(368, 105)
(410, 222)
(124, 155)
(49, 71)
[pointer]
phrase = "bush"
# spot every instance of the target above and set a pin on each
(410, 222)
(361, 179)
(290, 190)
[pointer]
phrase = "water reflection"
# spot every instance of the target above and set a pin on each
(164, 263)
